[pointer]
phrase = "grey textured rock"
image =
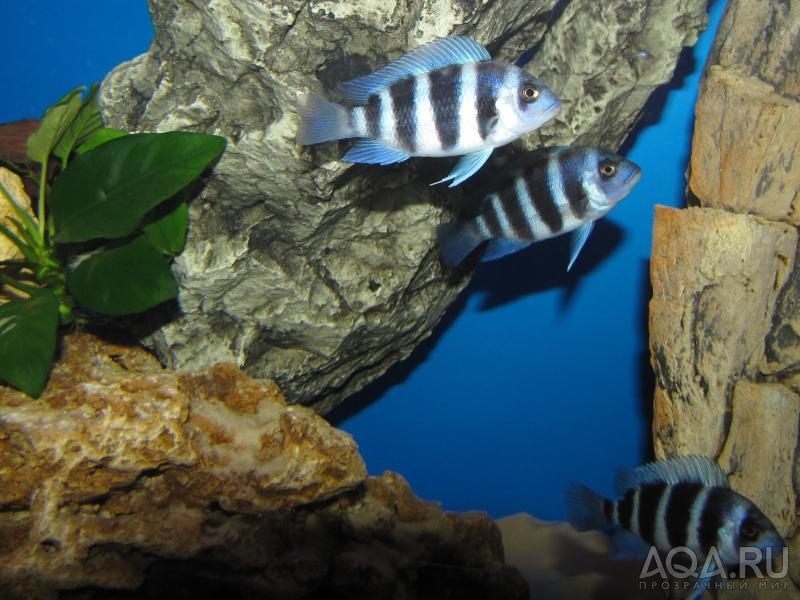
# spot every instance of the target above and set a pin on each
(324, 282)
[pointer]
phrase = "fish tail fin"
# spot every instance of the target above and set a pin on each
(456, 242)
(584, 508)
(321, 121)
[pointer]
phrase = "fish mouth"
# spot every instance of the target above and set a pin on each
(553, 107)
(633, 178)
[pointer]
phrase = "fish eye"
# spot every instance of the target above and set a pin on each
(749, 531)
(607, 169)
(529, 92)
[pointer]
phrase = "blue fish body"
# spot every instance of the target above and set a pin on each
(683, 502)
(446, 98)
(558, 190)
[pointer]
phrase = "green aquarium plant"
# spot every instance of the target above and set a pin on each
(105, 229)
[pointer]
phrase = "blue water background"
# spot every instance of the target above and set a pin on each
(534, 377)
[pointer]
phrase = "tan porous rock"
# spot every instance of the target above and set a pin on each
(13, 185)
(761, 37)
(715, 277)
(119, 452)
(744, 146)
(760, 446)
(127, 476)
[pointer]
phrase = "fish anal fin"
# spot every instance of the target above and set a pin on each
(373, 152)
(500, 247)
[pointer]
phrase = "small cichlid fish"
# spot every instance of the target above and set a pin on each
(679, 502)
(558, 190)
(446, 98)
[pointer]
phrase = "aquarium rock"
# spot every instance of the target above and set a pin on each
(716, 277)
(12, 184)
(724, 324)
(561, 564)
(314, 272)
(127, 476)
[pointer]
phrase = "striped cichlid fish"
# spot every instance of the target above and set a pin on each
(683, 502)
(446, 98)
(558, 190)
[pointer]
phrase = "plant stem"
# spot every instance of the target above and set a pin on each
(42, 184)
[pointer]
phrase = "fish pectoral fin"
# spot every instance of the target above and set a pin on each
(500, 247)
(433, 55)
(373, 152)
(577, 242)
(466, 166)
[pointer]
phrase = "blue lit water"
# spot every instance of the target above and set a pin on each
(534, 377)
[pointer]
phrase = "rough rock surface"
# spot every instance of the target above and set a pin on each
(323, 280)
(725, 335)
(761, 460)
(126, 476)
(716, 277)
(13, 185)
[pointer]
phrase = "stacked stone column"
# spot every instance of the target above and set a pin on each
(725, 312)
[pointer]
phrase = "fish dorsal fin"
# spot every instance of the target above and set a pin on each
(431, 56)
(682, 469)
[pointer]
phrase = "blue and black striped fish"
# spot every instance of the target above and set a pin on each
(680, 502)
(558, 190)
(446, 98)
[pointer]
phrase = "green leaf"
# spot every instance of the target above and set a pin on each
(85, 124)
(100, 137)
(55, 122)
(124, 280)
(168, 233)
(28, 340)
(105, 193)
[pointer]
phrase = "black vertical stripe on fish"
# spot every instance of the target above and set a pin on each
(445, 96)
(649, 497)
(625, 507)
(678, 512)
(573, 186)
(405, 118)
(489, 77)
(491, 219)
(515, 212)
(544, 205)
(608, 510)
(372, 113)
(712, 518)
